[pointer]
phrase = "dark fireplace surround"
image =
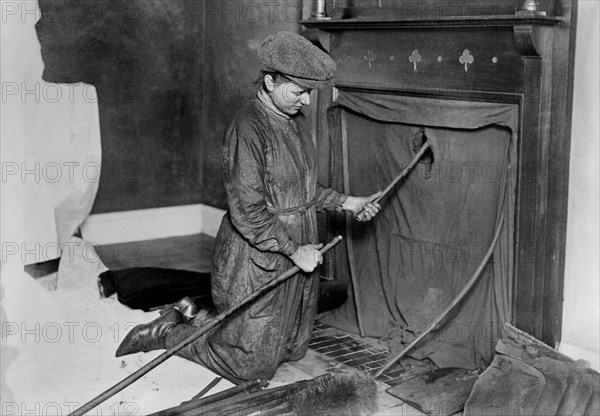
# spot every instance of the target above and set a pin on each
(495, 59)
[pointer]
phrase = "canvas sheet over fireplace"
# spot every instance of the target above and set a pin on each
(435, 228)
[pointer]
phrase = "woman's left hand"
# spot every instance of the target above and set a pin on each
(363, 207)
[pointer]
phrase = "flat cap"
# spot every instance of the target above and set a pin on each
(296, 58)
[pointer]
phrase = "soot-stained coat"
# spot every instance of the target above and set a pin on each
(272, 193)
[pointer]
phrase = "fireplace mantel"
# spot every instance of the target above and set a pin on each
(440, 22)
(523, 27)
(502, 58)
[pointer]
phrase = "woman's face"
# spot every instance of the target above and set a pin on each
(288, 97)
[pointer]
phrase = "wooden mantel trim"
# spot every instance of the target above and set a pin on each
(439, 22)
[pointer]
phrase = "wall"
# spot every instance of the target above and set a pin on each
(234, 30)
(170, 75)
(581, 313)
(144, 58)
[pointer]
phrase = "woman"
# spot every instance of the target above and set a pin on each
(272, 194)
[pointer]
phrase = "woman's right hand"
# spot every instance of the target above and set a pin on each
(308, 257)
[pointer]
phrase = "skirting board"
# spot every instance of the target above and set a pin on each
(149, 224)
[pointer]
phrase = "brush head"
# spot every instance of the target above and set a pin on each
(347, 394)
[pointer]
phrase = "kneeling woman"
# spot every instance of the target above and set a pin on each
(270, 178)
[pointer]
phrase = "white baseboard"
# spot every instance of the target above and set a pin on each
(211, 219)
(149, 224)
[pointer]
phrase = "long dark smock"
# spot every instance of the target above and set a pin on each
(269, 171)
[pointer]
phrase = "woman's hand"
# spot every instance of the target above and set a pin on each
(308, 257)
(363, 207)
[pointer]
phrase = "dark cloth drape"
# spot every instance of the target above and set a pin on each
(433, 231)
(147, 288)
(150, 287)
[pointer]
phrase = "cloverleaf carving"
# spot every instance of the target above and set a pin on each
(369, 57)
(415, 57)
(466, 58)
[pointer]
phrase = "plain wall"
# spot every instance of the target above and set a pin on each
(144, 58)
(581, 313)
(233, 31)
(170, 77)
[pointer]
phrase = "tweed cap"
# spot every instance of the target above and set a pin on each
(296, 58)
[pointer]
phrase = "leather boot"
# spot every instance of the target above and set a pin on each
(150, 336)
(186, 306)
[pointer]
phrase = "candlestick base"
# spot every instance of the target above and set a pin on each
(529, 13)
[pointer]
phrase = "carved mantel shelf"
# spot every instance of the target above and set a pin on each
(441, 22)
(439, 36)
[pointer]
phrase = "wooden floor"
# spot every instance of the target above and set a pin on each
(331, 350)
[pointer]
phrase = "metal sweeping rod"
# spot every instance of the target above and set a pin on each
(200, 332)
(194, 404)
(342, 393)
(207, 388)
(349, 245)
(224, 402)
(455, 302)
(426, 146)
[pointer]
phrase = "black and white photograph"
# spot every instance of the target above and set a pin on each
(300, 207)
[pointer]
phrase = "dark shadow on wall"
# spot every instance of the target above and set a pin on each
(144, 59)
(234, 30)
(170, 75)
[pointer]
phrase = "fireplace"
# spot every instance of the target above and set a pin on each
(488, 85)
